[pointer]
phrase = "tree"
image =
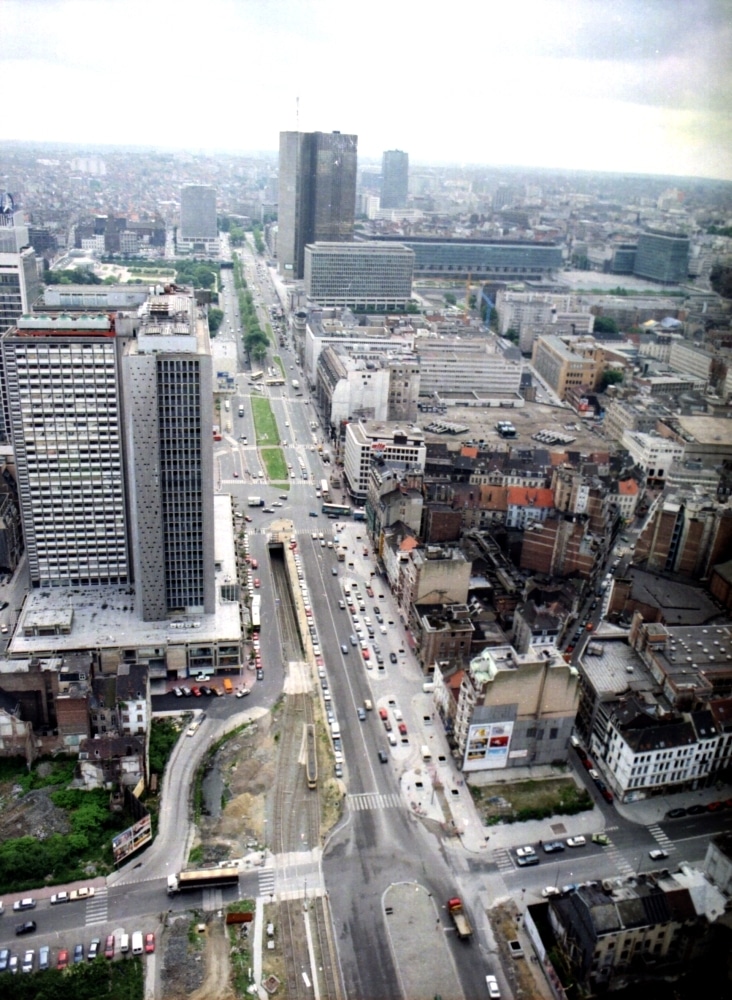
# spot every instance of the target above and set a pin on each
(75, 276)
(721, 280)
(604, 324)
(611, 377)
(512, 335)
(215, 318)
(450, 299)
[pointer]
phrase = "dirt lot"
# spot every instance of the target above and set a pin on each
(497, 801)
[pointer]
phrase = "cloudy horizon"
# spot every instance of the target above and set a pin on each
(637, 86)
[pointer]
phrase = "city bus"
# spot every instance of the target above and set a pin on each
(256, 376)
(324, 490)
(275, 380)
(336, 509)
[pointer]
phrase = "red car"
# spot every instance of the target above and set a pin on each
(247, 518)
(369, 591)
(402, 729)
(254, 564)
(365, 653)
(257, 583)
(109, 946)
(63, 960)
(196, 692)
(149, 943)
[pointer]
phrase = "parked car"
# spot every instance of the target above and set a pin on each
(658, 854)
(4, 959)
(149, 943)
(62, 960)
(109, 946)
(86, 892)
(28, 959)
(523, 852)
(553, 846)
(93, 949)
(576, 841)
(600, 838)
(78, 953)
(393, 657)
(527, 860)
(59, 897)
(383, 757)
(551, 890)
(24, 904)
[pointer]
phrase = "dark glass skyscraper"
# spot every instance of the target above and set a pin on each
(394, 179)
(317, 193)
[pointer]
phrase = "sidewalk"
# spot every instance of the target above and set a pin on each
(653, 810)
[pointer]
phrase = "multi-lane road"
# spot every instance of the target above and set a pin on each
(380, 842)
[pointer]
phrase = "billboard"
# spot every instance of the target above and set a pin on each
(131, 839)
(487, 746)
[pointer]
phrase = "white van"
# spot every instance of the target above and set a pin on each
(124, 943)
(426, 755)
(137, 948)
(428, 687)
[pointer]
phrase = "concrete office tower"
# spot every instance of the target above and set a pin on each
(166, 380)
(394, 179)
(662, 257)
(19, 289)
(61, 379)
(317, 193)
(198, 230)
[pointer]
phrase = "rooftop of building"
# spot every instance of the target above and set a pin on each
(707, 430)
(387, 431)
(104, 617)
(617, 670)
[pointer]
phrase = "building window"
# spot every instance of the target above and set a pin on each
(553, 733)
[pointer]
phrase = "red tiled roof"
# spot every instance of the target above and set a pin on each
(627, 487)
(523, 496)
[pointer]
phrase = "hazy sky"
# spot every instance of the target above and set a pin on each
(627, 85)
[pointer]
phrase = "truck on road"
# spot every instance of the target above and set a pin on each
(203, 878)
(459, 918)
(255, 502)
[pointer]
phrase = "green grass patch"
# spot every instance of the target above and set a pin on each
(163, 737)
(26, 862)
(85, 981)
(519, 801)
(240, 955)
(280, 365)
(45, 772)
(270, 333)
(265, 425)
(273, 460)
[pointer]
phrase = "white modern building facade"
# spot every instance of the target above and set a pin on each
(371, 440)
(463, 370)
(359, 275)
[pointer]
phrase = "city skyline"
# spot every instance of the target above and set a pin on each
(552, 84)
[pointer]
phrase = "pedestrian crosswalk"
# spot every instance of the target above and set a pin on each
(96, 907)
(266, 881)
(502, 860)
(616, 862)
(661, 839)
(376, 800)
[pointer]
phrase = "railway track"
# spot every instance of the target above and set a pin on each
(296, 822)
(311, 957)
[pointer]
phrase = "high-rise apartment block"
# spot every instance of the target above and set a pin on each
(62, 384)
(359, 274)
(317, 194)
(394, 179)
(568, 362)
(112, 434)
(662, 257)
(198, 232)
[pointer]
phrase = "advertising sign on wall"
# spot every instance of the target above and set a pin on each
(487, 746)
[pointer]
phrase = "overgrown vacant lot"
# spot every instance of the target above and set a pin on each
(531, 799)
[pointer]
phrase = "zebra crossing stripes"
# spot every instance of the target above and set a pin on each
(660, 837)
(502, 860)
(376, 800)
(266, 881)
(96, 907)
(617, 860)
